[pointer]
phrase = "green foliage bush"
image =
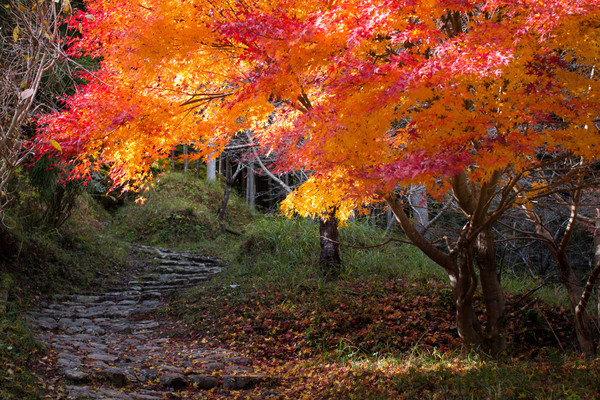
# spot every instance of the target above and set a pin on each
(57, 194)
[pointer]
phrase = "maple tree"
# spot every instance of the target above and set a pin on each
(369, 96)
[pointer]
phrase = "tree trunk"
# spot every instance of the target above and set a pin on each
(228, 187)
(461, 273)
(581, 317)
(329, 259)
(493, 295)
(583, 328)
(418, 202)
(226, 194)
(186, 162)
(211, 169)
(173, 154)
(250, 186)
(229, 181)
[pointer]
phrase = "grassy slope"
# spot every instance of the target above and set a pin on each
(180, 213)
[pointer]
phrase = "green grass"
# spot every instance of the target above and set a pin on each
(551, 293)
(277, 249)
(462, 377)
(18, 349)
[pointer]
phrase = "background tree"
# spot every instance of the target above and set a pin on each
(31, 41)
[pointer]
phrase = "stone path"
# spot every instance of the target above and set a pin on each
(109, 346)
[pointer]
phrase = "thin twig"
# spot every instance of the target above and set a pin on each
(552, 329)
(529, 293)
(366, 247)
(520, 310)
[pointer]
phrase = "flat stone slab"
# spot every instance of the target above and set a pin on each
(174, 380)
(238, 382)
(204, 382)
(77, 376)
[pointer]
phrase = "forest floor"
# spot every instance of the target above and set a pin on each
(359, 339)
(268, 326)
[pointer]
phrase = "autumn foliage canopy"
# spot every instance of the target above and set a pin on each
(364, 94)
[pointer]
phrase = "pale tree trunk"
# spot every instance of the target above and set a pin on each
(211, 169)
(250, 185)
(417, 199)
(389, 218)
(572, 284)
(186, 162)
(581, 317)
(583, 328)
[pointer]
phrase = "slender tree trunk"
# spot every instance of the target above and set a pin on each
(250, 186)
(226, 194)
(197, 169)
(418, 202)
(581, 317)
(186, 162)
(228, 186)
(389, 218)
(173, 154)
(211, 169)
(493, 295)
(329, 259)
(570, 281)
(229, 181)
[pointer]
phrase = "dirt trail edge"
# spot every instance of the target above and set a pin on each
(108, 345)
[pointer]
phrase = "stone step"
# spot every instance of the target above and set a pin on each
(187, 269)
(173, 278)
(183, 256)
(158, 288)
